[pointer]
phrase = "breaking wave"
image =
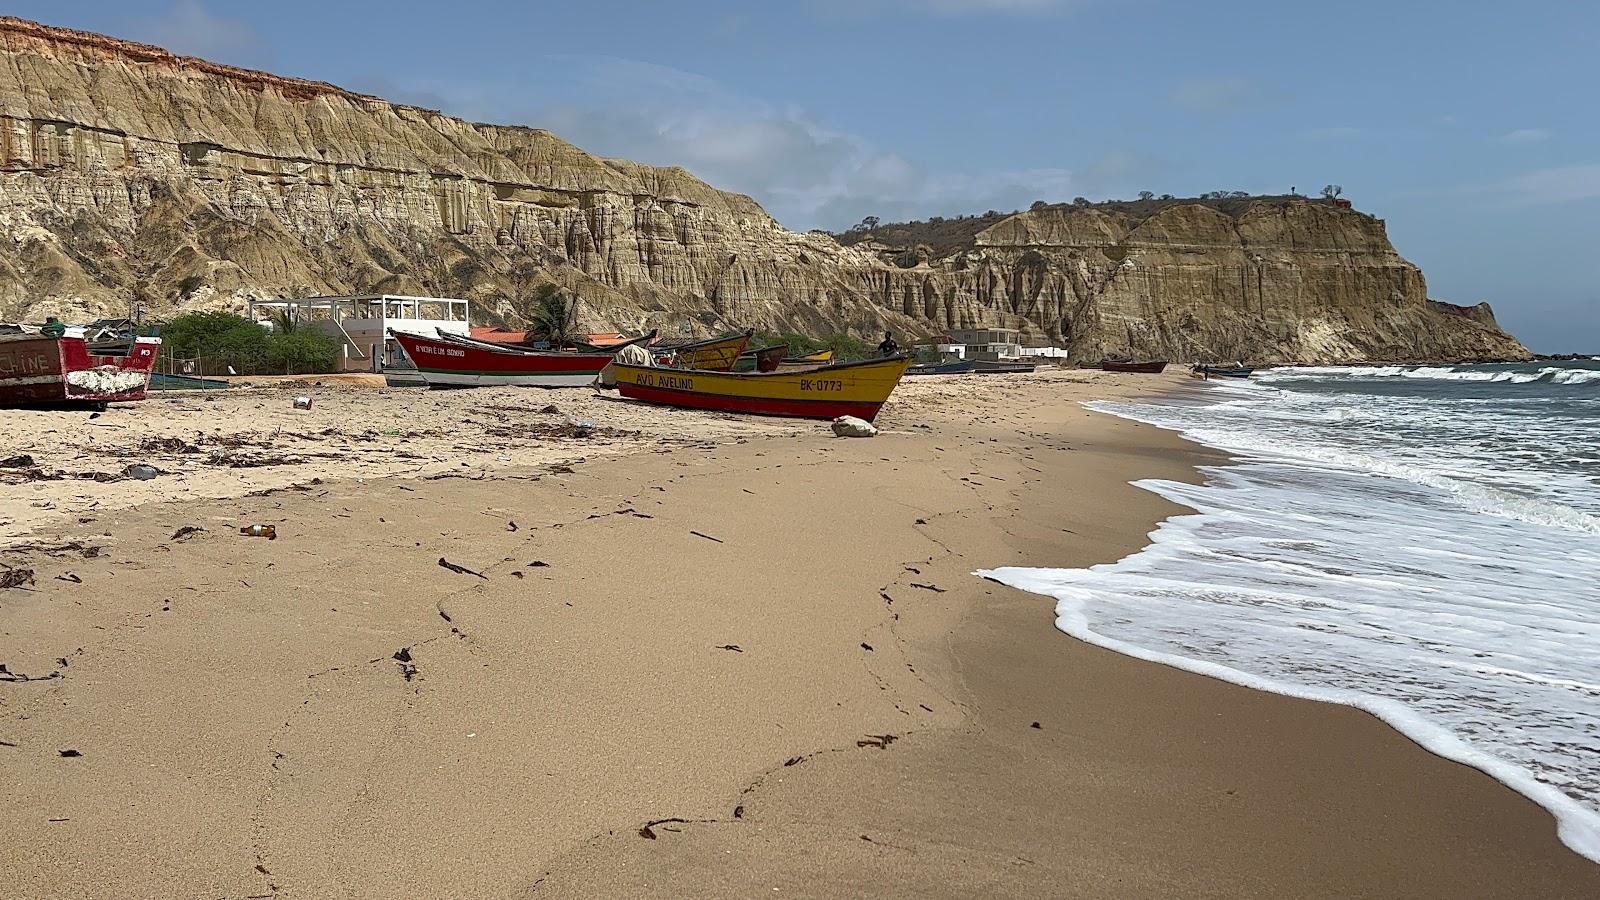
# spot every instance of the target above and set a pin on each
(1422, 546)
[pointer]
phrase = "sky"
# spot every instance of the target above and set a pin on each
(1468, 126)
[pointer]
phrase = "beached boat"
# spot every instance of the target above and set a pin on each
(824, 392)
(821, 357)
(996, 367)
(767, 359)
(714, 355)
(1128, 365)
(451, 360)
(39, 368)
(956, 367)
(1224, 371)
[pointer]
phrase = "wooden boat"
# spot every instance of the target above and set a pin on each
(1128, 365)
(821, 357)
(996, 367)
(714, 355)
(451, 360)
(1224, 371)
(957, 367)
(825, 392)
(765, 360)
(45, 369)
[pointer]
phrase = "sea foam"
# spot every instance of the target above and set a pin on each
(1416, 558)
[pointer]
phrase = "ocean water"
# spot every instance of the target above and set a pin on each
(1420, 542)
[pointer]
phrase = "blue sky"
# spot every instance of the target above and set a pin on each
(1469, 126)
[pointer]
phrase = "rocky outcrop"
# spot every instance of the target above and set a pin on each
(1270, 280)
(132, 176)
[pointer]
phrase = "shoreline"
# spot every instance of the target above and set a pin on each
(551, 716)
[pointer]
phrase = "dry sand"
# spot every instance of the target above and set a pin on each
(766, 636)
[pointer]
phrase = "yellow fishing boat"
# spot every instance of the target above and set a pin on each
(715, 355)
(821, 357)
(823, 392)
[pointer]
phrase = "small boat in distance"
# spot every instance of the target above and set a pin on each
(997, 367)
(42, 369)
(1127, 365)
(955, 367)
(825, 392)
(1224, 371)
(451, 360)
(715, 355)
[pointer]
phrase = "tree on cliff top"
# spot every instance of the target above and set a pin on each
(1332, 191)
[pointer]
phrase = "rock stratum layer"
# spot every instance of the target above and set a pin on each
(129, 175)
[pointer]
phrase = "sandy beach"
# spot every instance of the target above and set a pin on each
(495, 652)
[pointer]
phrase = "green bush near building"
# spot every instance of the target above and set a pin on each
(221, 341)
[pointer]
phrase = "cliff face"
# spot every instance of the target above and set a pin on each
(129, 175)
(1276, 280)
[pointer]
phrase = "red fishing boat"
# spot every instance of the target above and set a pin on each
(42, 369)
(450, 360)
(1154, 367)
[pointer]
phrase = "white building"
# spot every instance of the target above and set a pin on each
(994, 344)
(361, 323)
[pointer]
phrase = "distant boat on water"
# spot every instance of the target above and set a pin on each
(1154, 367)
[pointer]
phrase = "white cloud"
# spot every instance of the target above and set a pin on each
(188, 28)
(1216, 94)
(1526, 136)
(1331, 133)
(805, 172)
(1554, 185)
(860, 8)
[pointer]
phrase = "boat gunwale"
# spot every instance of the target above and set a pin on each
(826, 367)
(513, 350)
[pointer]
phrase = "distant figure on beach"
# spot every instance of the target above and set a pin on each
(888, 347)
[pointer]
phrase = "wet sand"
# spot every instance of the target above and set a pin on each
(765, 636)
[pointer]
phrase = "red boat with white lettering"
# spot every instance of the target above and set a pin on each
(43, 369)
(452, 360)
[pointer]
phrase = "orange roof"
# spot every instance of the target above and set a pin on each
(499, 336)
(605, 338)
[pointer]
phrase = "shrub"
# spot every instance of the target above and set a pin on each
(223, 340)
(303, 351)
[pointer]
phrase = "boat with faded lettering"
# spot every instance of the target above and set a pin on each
(38, 368)
(1002, 367)
(825, 392)
(451, 360)
(1152, 367)
(717, 354)
(954, 367)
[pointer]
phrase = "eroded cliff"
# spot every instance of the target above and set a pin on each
(130, 175)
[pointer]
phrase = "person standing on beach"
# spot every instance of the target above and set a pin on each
(888, 347)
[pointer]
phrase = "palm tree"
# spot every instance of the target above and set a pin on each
(284, 322)
(554, 317)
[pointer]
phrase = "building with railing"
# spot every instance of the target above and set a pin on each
(992, 344)
(361, 323)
